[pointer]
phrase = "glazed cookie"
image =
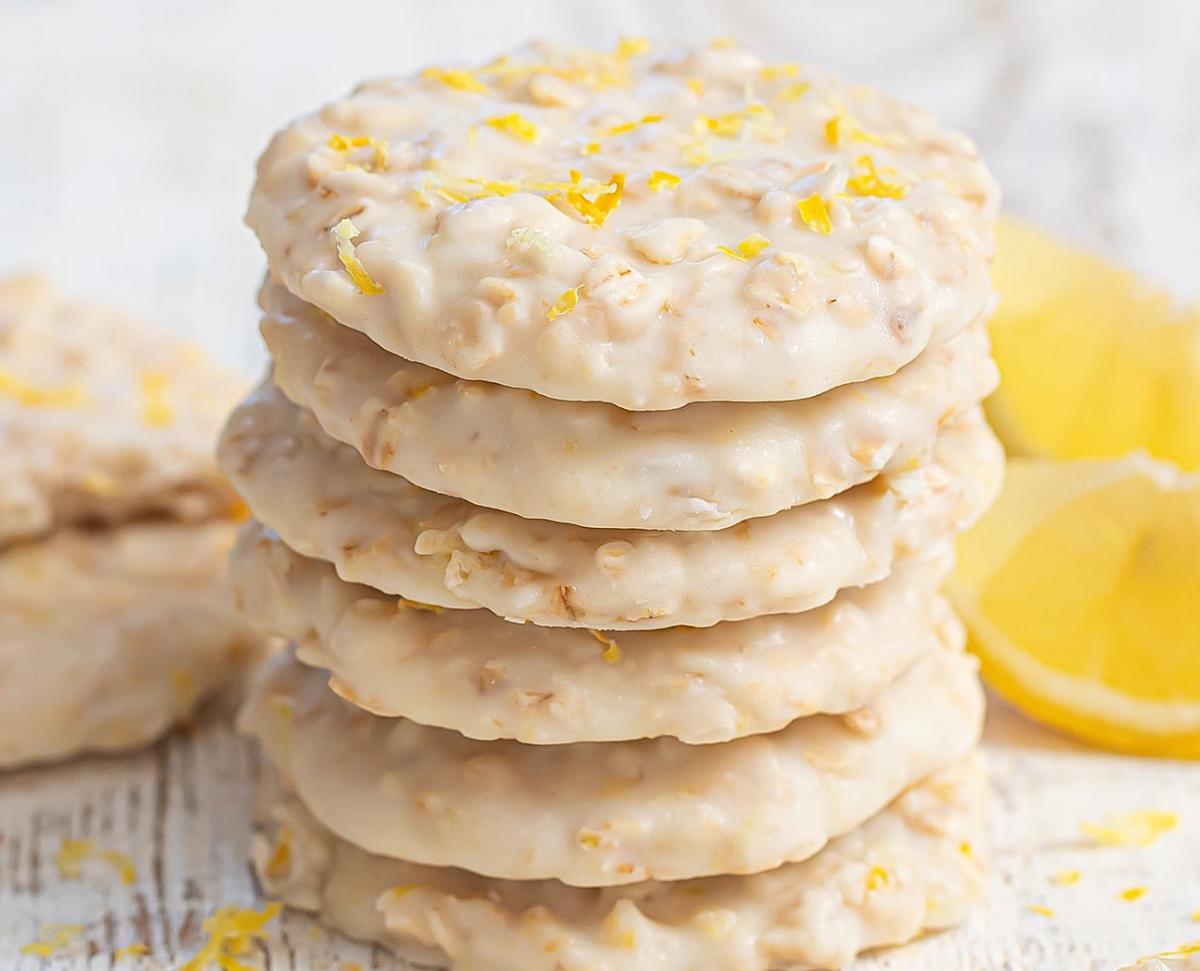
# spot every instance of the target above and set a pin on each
(644, 228)
(602, 814)
(102, 420)
(107, 638)
(477, 674)
(705, 466)
(380, 530)
(919, 865)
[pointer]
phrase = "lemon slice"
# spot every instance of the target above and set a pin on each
(1095, 363)
(1081, 588)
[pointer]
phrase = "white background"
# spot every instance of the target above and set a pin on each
(129, 130)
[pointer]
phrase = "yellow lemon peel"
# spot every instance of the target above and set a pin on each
(344, 145)
(53, 939)
(566, 302)
(628, 47)
(1144, 827)
(456, 78)
(71, 855)
(1066, 878)
(1041, 910)
(30, 396)
(842, 127)
(123, 864)
(345, 233)
(748, 248)
(612, 650)
(868, 181)
(231, 933)
(515, 124)
(130, 951)
(403, 603)
(1133, 893)
(660, 180)
(814, 212)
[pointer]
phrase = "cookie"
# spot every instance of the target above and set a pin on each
(645, 227)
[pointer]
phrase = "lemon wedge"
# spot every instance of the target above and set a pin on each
(1095, 363)
(1081, 588)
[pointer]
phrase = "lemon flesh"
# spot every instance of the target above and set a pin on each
(1081, 588)
(1094, 362)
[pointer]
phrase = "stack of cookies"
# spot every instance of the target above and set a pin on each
(624, 408)
(116, 617)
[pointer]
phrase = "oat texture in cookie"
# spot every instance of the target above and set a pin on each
(101, 419)
(380, 530)
(646, 226)
(705, 466)
(602, 814)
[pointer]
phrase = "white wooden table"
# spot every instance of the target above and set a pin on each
(130, 129)
(181, 811)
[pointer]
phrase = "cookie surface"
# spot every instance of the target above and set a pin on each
(477, 674)
(603, 814)
(705, 466)
(644, 228)
(108, 638)
(101, 419)
(380, 530)
(920, 864)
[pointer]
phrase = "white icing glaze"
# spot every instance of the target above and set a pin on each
(603, 814)
(472, 235)
(472, 672)
(380, 530)
(704, 466)
(920, 864)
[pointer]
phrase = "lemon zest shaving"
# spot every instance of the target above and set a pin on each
(695, 85)
(588, 838)
(1133, 893)
(344, 145)
(612, 650)
(794, 91)
(403, 603)
(1041, 910)
(279, 863)
(877, 878)
(591, 148)
(71, 855)
(156, 411)
(772, 72)
(53, 939)
(842, 127)
(723, 126)
(628, 47)
(457, 78)
(814, 211)
(660, 180)
(130, 951)
(402, 890)
(597, 208)
(346, 232)
(627, 126)
(31, 396)
(869, 182)
(1142, 828)
(515, 124)
(748, 248)
(231, 933)
(123, 864)
(1066, 878)
(566, 302)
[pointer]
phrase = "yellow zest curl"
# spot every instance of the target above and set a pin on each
(1133, 893)
(344, 146)
(53, 939)
(130, 951)
(1041, 910)
(597, 209)
(748, 248)
(231, 934)
(455, 78)
(71, 856)
(723, 126)
(628, 47)
(660, 180)
(123, 864)
(868, 181)
(346, 232)
(794, 91)
(566, 302)
(1066, 878)
(1141, 828)
(30, 396)
(403, 603)
(814, 211)
(612, 650)
(516, 125)
(843, 127)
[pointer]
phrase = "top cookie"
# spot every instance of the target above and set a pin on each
(102, 420)
(638, 227)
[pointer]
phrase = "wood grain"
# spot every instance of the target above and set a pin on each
(181, 810)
